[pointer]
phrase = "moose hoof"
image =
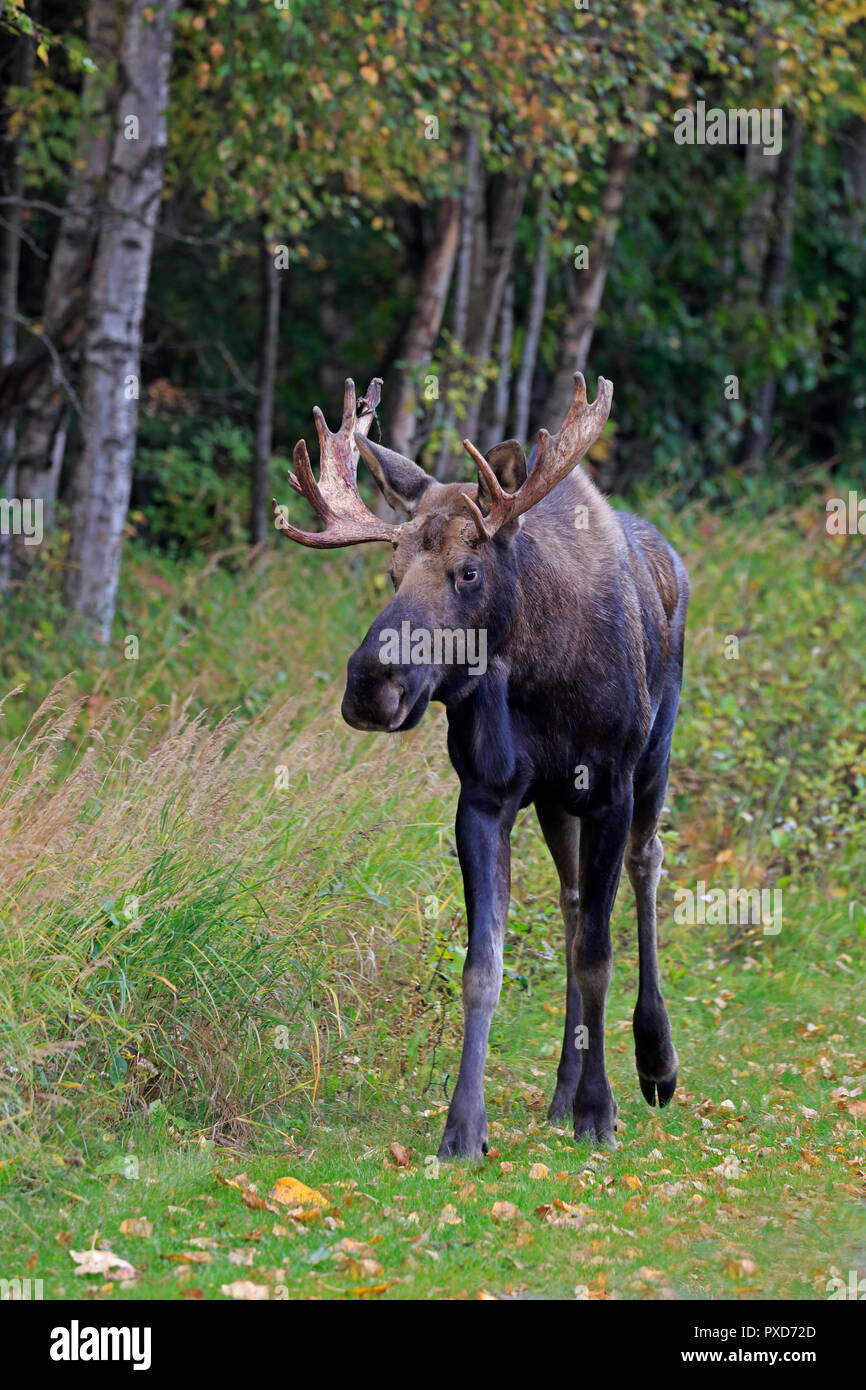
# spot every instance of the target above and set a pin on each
(594, 1131)
(663, 1089)
(464, 1139)
(561, 1108)
(596, 1121)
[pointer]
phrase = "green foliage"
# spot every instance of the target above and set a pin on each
(197, 495)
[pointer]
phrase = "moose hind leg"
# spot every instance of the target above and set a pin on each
(655, 1057)
(603, 836)
(561, 832)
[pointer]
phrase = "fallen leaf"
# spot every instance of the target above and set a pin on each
(290, 1192)
(245, 1288)
(504, 1211)
(249, 1196)
(360, 1268)
(539, 1171)
(449, 1216)
(353, 1247)
(400, 1155)
(103, 1262)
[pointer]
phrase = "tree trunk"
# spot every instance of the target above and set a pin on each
(39, 452)
(535, 319)
(582, 319)
(425, 323)
(472, 200)
(472, 189)
(10, 246)
(112, 340)
(264, 431)
(831, 409)
(493, 251)
(777, 261)
(507, 205)
(502, 392)
(10, 253)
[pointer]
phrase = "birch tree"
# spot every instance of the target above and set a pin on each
(112, 341)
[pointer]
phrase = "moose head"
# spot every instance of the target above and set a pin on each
(452, 567)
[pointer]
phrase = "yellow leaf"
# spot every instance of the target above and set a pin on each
(292, 1193)
(42, 52)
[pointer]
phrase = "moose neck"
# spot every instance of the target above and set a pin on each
(568, 557)
(570, 608)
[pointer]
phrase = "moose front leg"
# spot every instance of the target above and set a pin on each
(484, 850)
(603, 838)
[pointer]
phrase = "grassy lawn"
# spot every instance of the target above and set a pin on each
(232, 936)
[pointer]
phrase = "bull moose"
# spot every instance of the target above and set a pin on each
(583, 610)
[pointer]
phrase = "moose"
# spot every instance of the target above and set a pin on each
(584, 611)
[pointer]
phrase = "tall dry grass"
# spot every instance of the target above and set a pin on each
(201, 915)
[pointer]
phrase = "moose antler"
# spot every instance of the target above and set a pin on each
(554, 460)
(336, 497)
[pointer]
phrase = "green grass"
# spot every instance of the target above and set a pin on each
(232, 936)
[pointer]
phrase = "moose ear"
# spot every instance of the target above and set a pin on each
(402, 481)
(508, 462)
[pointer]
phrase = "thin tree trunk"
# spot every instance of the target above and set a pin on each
(264, 430)
(535, 319)
(43, 423)
(425, 323)
(832, 406)
(502, 392)
(505, 214)
(472, 188)
(472, 200)
(756, 435)
(10, 253)
(112, 342)
(494, 250)
(582, 319)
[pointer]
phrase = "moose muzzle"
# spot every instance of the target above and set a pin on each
(382, 694)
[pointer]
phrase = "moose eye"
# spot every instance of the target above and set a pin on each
(392, 576)
(467, 577)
